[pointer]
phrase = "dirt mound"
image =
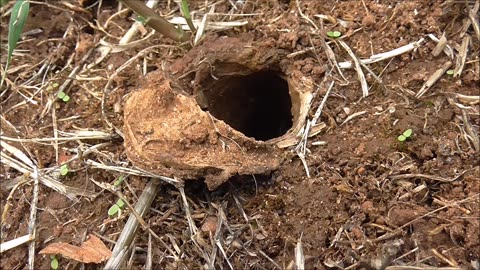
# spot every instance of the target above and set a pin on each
(225, 109)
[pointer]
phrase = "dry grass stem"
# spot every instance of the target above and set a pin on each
(299, 258)
(473, 136)
(409, 267)
(351, 116)
(399, 229)
(202, 26)
(32, 171)
(441, 45)
(426, 176)
(462, 56)
(32, 223)
(473, 16)
(16, 242)
(358, 68)
(130, 228)
(433, 79)
(386, 55)
(210, 26)
(67, 136)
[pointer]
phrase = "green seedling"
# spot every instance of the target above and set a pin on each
(18, 18)
(53, 262)
(116, 208)
(334, 34)
(406, 134)
(450, 72)
(64, 97)
(64, 170)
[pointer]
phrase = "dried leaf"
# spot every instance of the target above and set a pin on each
(91, 251)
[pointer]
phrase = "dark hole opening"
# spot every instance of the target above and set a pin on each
(258, 105)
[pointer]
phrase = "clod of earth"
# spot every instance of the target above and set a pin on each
(225, 108)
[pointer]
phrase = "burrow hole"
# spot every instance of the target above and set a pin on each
(258, 104)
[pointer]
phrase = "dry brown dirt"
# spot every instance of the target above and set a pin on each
(371, 201)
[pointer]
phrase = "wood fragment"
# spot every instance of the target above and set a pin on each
(130, 228)
(433, 79)
(442, 43)
(462, 56)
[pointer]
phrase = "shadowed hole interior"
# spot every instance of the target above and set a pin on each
(258, 104)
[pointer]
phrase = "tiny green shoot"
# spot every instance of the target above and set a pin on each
(406, 134)
(64, 97)
(120, 203)
(64, 169)
(116, 208)
(450, 72)
(53, 262)
(186, 14)
(18, 18)
(334, 34)
(119, 181)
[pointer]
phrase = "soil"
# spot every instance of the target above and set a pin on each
(369, 201)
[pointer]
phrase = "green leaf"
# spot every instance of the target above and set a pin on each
(120, 203)
(450, 72)
(401, 138)
(66, 98)
(407, 133)
(64, 169)
(61, 95)
(54, 264)
(113, 210)
(334, 34)
(18, 18)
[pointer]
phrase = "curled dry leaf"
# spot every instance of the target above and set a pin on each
(91, 251)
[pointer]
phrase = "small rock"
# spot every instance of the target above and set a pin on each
(210, 225)
(368, 20)
(367, 206)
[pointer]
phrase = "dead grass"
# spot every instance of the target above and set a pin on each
(81, 67)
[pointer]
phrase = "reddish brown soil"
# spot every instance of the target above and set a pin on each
(371, 201)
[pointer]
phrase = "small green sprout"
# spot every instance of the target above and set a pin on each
(119, 181)
(61, 95)
(406, 134)
(53, 262)
(64, 169)
(334, 34)
(120, 203)
(116, 208)
(450, 72)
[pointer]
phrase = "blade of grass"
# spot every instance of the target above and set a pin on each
(15, 27)
(186, 14)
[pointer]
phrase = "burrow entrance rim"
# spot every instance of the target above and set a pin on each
(257, 104)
